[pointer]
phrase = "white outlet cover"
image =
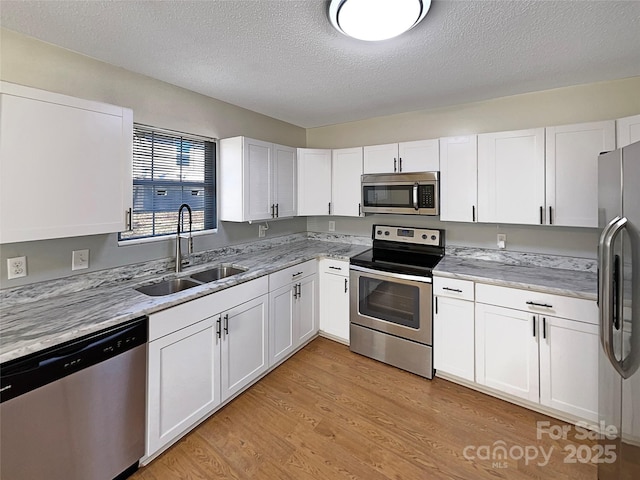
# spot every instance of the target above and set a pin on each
(80, 259)
(16, 267)
(332, 226)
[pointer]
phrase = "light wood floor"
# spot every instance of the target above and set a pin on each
(328, 413)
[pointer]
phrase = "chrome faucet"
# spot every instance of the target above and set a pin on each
(179, 236)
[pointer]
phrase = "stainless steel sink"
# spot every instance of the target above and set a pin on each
(218, 272)
(167, 287)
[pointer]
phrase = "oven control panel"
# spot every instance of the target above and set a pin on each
(421, 236)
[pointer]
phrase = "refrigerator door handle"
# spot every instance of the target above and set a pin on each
(607, 307)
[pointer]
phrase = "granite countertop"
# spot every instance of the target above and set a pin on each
(571, 283)
(38, 322)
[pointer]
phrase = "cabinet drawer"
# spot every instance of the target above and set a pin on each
(332, 265)
(292, 274)
(536, 302)
(181, 316)
(454, 288)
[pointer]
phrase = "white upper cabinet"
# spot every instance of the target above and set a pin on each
(572, 171)
(381, 158)
(314, 181)
(346, 170)
(257, 180)
(285, 184)
(511, 177)
(459, 178)
(65, 165)
(417, 156)
(628, 130)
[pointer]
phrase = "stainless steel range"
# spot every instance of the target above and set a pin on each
(391, 297)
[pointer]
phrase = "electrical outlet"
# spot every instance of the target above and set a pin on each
(16, 267)
(502, 240)
(262, 230)
(332, 226)
(79, 259)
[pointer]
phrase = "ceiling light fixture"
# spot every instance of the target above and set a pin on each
(374, 20)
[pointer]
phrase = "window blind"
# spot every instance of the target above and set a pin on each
(170, 169)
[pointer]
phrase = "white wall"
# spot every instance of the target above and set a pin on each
(27, 61)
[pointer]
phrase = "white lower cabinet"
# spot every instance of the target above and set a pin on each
(569, 367)
(293, 317)
(334, 290)
(507, 351)
(453, 337)
(184, 381)
(550, 359)
(244, 344)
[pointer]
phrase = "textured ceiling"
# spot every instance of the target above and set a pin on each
(283, 58)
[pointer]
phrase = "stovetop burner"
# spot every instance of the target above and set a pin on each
(395, 249)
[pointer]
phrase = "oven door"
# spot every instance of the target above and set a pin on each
(396, 304)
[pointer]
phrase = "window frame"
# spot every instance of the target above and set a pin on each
(216, 165)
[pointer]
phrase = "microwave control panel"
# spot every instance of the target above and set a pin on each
(426, 196)
(422, 236)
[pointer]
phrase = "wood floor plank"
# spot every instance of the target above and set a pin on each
(329, 413)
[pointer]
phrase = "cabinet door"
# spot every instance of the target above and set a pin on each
(454, 337)
(244, 345)
(419, 156)
(285, 183)
(628, 129)
(184, 381)
(572, 171)
(307, 310)
(314, 181)
(334, 309)
(258, 175)
(381, 158)
(75, 178)
(569, 367)
(346, 169)
(511, 177)
(281, 323)
(459, 178)
(507, 351)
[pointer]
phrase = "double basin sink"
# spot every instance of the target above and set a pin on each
(167, 287)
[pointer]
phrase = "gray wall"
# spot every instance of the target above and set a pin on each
(553, 240)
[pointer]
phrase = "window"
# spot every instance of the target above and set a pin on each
(170, 169)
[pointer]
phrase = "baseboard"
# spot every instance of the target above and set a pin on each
(333, 337)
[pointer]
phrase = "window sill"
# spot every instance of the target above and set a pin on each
(163, 238)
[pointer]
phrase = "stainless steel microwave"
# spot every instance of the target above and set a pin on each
(401, 193)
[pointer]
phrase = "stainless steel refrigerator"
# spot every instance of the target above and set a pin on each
(619, 304)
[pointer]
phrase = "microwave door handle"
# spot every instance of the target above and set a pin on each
(415, 196)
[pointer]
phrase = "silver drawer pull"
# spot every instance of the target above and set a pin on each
(296, 274)
(545, 305)
(335, 268)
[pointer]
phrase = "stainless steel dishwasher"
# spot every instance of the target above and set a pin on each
(76, 411)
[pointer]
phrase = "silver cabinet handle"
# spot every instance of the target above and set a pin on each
(226, 323)
(345, 286)
(329, 208)
(129, 219)
(400, 163)
(273, 210)
(541, 214)
(395, 165)
(299, 290)
(218, 327)
(335, 268)
(296, 274)
(295, 291)
(534, 325)
(359, 209)
(277, 210)
(550, 216)
(473, 213)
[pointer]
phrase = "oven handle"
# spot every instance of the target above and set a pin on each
(400, 276)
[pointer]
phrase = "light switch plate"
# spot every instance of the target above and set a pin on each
(332, 226)
(80, 259)
(502, 241)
